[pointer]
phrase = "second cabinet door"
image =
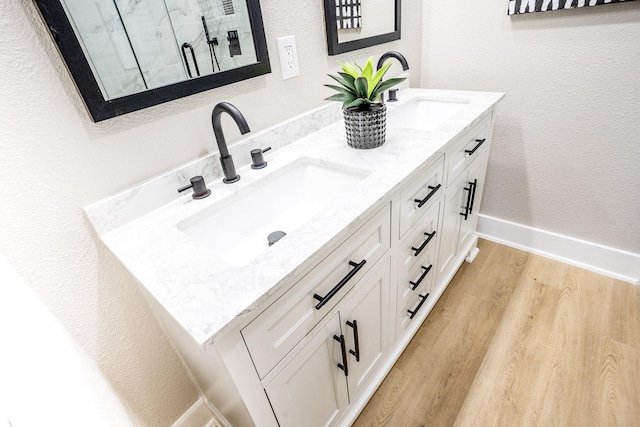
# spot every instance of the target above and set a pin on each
(311, 390)
(365, 320)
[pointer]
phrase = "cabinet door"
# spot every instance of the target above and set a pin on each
(455, 199)
(366, 327)
(475, 183)
(311, 390)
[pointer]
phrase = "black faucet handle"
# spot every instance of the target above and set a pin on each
(257, 159)
(200, 190)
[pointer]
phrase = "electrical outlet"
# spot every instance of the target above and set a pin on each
(288, 57)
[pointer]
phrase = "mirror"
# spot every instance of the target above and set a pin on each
(125, 55)
(355, 24)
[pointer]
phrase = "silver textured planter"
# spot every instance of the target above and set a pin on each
(366, 128)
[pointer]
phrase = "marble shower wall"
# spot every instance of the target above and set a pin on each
(156, 30)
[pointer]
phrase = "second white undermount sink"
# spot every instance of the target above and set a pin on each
(236, 228)
(425, 113)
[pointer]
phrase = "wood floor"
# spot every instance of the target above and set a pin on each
(519, 340)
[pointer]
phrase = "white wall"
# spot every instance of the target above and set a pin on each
(54, 161)
(44, 379)
(566, 148)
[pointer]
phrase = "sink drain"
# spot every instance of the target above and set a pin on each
(275, 236)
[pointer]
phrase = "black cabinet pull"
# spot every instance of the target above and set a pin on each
(473, 150)
(414, 312)
(467, 207)
(325, 299)
(474, 184)
(343, 349)
(426, 271)
(433, 191)
(424, 244)
(356, 342)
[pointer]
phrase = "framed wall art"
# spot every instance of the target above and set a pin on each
(517, 7)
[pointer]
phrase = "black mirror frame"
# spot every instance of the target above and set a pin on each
(336, 48)
(101, 109)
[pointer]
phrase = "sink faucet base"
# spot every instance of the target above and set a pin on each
(229, 170)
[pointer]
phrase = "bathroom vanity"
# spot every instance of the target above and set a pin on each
(304, 331)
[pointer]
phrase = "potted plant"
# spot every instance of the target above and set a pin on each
(360, 92)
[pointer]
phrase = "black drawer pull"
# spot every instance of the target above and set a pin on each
(414, 312)
(474, 184)
(424, 244)
(433, 191)
(356, 340)
(467, 207)
(473, 150)
(325, 299)
(426, 271)
(343, 349)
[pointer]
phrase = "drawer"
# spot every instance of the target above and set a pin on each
(465, 150)
(415, 286)
(419, 239)
(282, 325)
(417, 197)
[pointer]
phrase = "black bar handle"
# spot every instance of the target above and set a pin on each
(186, 46)
(467, 208)
(433, 191)
(325, 299)
(356, 341)
(474, 184)
(424, 244)
(414, 312)
(473, 150)
(343, 349)
(426, 271)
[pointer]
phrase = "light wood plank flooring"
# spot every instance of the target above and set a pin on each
(519, 340)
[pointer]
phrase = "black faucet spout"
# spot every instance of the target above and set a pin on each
(228, 168)
(393, 54)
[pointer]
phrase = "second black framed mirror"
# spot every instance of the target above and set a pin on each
(356, 24)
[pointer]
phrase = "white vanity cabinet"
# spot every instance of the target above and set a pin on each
(466, 166)
(303, 334)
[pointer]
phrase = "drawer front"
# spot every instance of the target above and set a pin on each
(420, 195)
(413, 288)
(280, 327)
(472, 145)
(420, 239)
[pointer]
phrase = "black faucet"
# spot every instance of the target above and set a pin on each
(393, 54)
(228, 168)
(405, 66)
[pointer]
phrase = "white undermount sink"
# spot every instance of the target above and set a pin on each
(236, 228)
(425, 113)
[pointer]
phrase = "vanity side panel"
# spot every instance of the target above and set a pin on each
(207, 370)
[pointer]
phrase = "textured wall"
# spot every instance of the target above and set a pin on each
(54, 161)
(565, 154)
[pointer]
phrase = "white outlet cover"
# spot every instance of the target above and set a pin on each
(288, 57)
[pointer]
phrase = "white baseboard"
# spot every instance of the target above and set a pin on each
(201, 414)
(601, 259)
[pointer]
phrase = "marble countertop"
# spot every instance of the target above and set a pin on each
(202, 292)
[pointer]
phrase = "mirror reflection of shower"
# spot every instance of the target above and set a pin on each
(135, 45)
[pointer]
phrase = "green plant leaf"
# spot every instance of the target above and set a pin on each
(362, 87)
(367, 71)
(340, 89)
(340, 97)
(377, 78)
(382, 86)
(349, 79)
(349, 69)
(354, 103)
(344, 82)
